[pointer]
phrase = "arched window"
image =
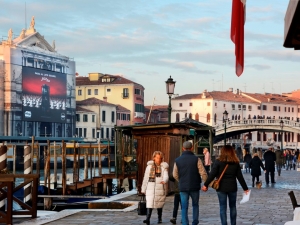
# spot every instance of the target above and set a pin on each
(208, 118)
(235, 117)
(197, 117)
(249, 117)
(215, 118)
(190, 116)
(177, 117)
(185, 115)
(232, 117)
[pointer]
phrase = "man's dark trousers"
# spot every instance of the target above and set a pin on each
(272, 176)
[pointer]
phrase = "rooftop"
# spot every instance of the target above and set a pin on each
(93, 101)
(80, 109)
(121, 108)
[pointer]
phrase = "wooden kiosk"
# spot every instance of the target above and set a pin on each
(168, 138)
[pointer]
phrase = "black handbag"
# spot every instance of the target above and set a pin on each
(142, 210)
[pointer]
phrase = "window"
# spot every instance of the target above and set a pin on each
(103, 116)
(137, 91)
(77, 117)
(216, 104)
(258, 107)
(215, 118)
(108, 90)
(93, 133)
(285, 109)
(177, 117)
(264, 107)
(258, 137)
(107, 133)
(118, 116)
(289, 109)
(180, 104)
(79, 92)
(123, 116)
(244, 107)
(224, 105)
(239, 107)
(93, 118)
(249, 107)
(80, 132)
(128, 117)
(191, 104)
(89, 91)
(208, 103)
(208, 118)
(85, 118)
(292, 109)
(274, 108)
(125, 93)
(112, 133)
(264, 136)
(185, 115)
(298, 110)
(113, 116)
(190, 116)
(96, 92)
(102, 132)
(139, 108)
(76, 131)
(233, 106)
(84, 132)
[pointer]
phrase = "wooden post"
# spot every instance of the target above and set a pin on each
(118, 186)
(99, 160)
(38, 161)
(108, 151)
(32, 152)
(55, 167)
(27, 170)
(63, 161)
(94, 162)
(14, 158)
(45, 167)
(78, 168)
(3, 168)
(48, 164)
(91, 169)
(109, 186)
(123, 161)
(85, 173)
(74, 163)
(104, 187)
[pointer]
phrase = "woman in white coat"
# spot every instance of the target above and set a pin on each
(154, 185)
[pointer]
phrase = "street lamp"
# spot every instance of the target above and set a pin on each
(170, 85)
(225, 117)
(281, 126)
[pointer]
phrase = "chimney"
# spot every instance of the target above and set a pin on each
(237, 91)
(105, 99)
(204, 94)
(230, 89)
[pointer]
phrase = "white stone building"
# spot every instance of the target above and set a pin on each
(86, 124)
(208, 107)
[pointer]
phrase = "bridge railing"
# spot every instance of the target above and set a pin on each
(259, 122)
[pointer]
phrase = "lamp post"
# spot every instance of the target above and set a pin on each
(45, 131)
(170, 85)
(281, 126)
(225, 117)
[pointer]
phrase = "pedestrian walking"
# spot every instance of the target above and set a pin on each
(154, 185)
(247, 159)
(177, 201)
(270, 159)
(255, 165)
(279, 159)
(189, 172)
(228, 183)
(207, 160)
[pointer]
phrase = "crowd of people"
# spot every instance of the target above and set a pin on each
(188, 173)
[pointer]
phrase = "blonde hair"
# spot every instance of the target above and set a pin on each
(158, 153)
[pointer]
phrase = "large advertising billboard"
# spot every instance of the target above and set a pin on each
(43, 95)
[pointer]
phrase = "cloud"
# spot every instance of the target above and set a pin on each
(258, 67)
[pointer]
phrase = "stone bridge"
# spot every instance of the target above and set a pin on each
(235, 127)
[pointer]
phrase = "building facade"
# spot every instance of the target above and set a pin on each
(37, 95)
(114, 89)
(208, 107)
(86, 126)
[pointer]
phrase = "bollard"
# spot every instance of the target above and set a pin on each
(27, 170)
(3, 169)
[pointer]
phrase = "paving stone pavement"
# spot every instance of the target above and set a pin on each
(269, 205)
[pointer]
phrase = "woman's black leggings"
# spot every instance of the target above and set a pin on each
(253, 178)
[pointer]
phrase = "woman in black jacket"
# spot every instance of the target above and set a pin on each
(228, 184)
(255, 165)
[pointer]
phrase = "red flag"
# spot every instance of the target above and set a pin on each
(237, 33)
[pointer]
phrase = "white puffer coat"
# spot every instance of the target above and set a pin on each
(155, 191)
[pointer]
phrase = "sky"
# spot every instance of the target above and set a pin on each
(149, 41)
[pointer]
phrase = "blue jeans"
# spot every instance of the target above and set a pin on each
(184, 197)
(278, 165)
(223, 206)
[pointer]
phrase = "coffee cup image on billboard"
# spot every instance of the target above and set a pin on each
(45, 104)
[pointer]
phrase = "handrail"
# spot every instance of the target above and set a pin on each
(8, 181)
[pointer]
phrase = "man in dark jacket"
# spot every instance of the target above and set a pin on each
(188, 170)
(270, 159)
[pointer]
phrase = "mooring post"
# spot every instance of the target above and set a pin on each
(55, 167)
(85, 174)
(63, 161)
(27, 170)
(99, 160)
(3, 169)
